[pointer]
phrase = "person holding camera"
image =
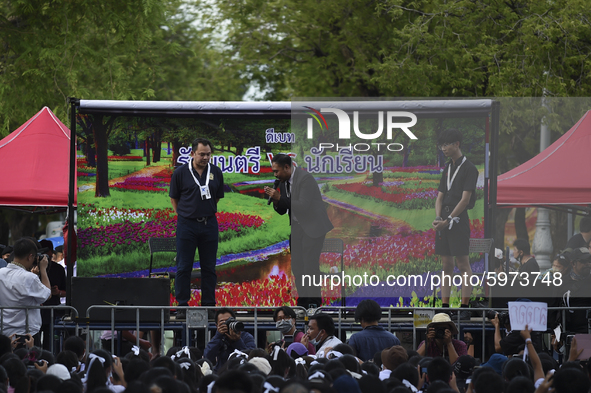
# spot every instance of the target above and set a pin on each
(20, 287)
(439, 340)
(230, 336)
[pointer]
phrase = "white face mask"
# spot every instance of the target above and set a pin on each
(316, 340)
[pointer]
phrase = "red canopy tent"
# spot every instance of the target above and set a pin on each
(34, 163)
(558, 177)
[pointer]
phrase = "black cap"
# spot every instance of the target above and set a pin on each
(464, 366)
(580, 254)
(47, 245)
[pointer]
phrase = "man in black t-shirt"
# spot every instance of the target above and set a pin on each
(583, 238)
(521, 252)
(457, 194)
(195, 190)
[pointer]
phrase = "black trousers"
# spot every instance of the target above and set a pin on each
(305, 261)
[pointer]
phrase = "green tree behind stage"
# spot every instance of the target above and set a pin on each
(425, 48)
(108, 49)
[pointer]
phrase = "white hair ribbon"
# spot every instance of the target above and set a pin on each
(184, 350)
(300, 361)
(136, 350)
(92, 358)
(237, 353)
(334, 355)
(409, 385)
(210, 387)
(314, 362)
(317, 374)
(186, 365)
(267, 388)
(205, 369)
(354, 374)
(242, 361)
(276, 352)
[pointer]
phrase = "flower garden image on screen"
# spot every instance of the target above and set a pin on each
(384, 219)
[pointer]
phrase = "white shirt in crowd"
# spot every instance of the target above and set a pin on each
(330, 342)
(19, 287)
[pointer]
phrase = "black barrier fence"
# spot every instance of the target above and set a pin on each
(257, 319)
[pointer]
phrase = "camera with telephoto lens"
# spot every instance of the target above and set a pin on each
(234, 325)
(503, 316)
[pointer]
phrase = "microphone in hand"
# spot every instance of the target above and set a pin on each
(275, 185)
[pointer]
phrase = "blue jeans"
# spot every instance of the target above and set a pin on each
(192, 235)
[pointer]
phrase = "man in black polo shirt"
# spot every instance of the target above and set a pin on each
(457, 194)
(195, 190)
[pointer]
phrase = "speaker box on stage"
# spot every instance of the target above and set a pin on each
(88, 291)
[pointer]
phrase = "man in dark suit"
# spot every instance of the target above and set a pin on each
(300, 197)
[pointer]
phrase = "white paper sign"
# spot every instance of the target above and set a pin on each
(532, 314)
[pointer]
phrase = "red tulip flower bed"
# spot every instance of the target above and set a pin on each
(272, 291)
(385, 251)
(142, 183)
(125, 230)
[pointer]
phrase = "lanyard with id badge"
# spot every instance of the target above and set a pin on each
(205, 194)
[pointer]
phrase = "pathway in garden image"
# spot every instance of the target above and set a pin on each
(144, 172)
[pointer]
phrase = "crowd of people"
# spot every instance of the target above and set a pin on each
(315, 360)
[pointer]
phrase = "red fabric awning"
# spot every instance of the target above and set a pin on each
(34, 163)
(560, 175)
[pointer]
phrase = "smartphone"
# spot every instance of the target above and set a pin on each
(21, 341)
(287, 340)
